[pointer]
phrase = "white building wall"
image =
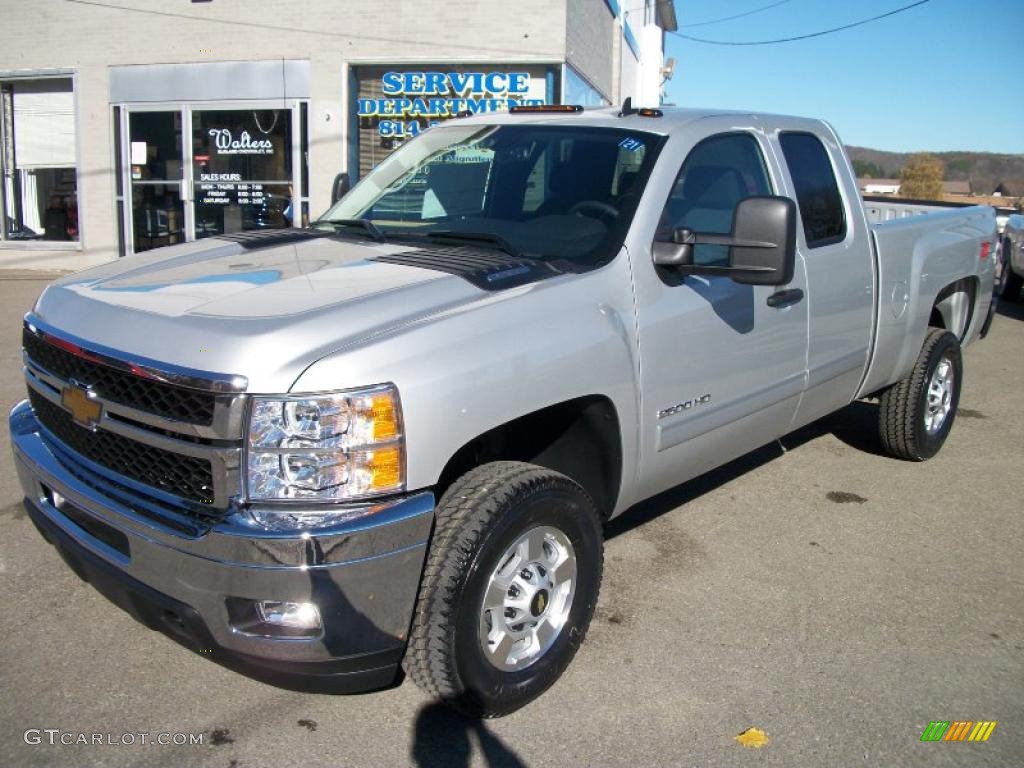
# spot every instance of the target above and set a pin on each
(629, 72)
(651, 39)
(86, 40)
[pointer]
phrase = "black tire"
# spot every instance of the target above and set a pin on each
(904, 405)
(480, 516)
(1001, 265)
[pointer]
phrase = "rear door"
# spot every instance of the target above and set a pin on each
(834, 242)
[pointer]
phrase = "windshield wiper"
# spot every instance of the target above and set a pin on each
(366, 225)
(484, 238)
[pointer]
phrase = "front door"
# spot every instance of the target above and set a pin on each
(722, 371)
(196, 171)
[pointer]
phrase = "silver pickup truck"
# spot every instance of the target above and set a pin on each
(389, 441)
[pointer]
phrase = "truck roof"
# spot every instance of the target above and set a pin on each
(672, 118)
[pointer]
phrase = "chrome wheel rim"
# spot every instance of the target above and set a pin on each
(528, 599)
(940, 396)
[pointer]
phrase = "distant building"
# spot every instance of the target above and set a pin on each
(892, 187)
(1009, 189)
(879, 186)
(956, 188)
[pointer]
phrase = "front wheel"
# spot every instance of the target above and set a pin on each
(917, 412)
(509, 588)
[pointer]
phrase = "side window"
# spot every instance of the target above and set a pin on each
(817, 193)
(717, 174)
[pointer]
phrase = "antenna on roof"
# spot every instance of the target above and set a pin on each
(627, 107)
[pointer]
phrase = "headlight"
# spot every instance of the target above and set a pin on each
(343, 446)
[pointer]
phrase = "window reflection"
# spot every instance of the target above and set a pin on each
(238, 155)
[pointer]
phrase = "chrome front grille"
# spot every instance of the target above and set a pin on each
(188, 477)
(154, 397)
(180, 445)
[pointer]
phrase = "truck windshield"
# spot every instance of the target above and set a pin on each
(544, 191)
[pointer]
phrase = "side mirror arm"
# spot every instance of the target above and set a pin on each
(679, 252)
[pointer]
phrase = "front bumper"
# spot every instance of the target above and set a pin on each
(363, 575)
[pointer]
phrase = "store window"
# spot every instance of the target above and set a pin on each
(39, 194)
(579, 91)
(242, 167)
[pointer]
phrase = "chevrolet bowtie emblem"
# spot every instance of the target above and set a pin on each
(79, 402)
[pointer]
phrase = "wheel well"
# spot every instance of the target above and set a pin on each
(579, 438)
(954, 307)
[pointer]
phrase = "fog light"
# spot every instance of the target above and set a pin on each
(281, 614)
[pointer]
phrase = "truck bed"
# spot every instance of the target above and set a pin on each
(936, 248)
(881, 208)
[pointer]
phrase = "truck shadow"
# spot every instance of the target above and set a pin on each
(854, 425)
(442, 740)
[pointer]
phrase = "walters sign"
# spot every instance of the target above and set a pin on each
(227, 144)
(439, 95)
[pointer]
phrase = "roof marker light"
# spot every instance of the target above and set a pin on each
(628, 109)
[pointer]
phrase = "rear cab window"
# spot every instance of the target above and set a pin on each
(817, 191)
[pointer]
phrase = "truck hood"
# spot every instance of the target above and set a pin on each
(263, 307)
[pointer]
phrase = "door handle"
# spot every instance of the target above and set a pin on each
(785, 298)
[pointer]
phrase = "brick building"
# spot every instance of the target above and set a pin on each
(128, 125)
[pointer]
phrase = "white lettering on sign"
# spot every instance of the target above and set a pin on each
(227, 144)
(220, 177)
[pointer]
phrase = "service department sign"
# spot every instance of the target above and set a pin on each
(440, 95)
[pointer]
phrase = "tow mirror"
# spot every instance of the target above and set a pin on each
(762, 244)
(340, 187)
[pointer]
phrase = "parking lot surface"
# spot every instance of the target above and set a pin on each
(836, 599)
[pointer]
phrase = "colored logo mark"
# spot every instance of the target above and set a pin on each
(958, 730)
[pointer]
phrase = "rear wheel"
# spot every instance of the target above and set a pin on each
(509, 588)
(917, 413)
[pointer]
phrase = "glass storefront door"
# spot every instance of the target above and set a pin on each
(155, 155)
(202, 170)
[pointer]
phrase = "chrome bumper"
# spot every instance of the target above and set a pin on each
(363, 574)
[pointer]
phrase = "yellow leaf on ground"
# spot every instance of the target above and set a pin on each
(753, 738)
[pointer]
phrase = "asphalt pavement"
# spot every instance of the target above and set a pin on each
(834, 598)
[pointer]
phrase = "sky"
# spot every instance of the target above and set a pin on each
(946, 75)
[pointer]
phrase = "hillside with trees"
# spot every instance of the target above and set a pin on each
(985, 171)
